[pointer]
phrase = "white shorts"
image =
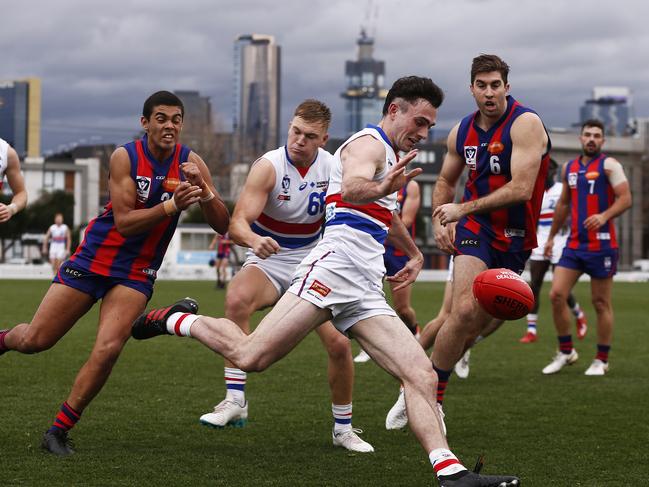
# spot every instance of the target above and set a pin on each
(330, 279)
(280, 267)
(557, 250)
(57, 252)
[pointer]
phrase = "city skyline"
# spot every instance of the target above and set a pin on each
(98, 66)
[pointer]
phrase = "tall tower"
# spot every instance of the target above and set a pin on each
(20, 115)
(256, 95)
(365, 93)
(613, 106)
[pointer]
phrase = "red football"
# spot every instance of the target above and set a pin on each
(503, 294)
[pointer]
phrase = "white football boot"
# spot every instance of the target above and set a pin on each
(560, 360)
(350, 440)
(397, 417)
(226, 413)
(462, 366)
(362, 357)
(597, 368)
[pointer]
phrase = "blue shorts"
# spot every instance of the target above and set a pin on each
(599, 264)
(468, 243)
(393, 263)
(96, 285)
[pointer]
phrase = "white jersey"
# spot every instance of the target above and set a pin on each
(360, 230)
(293, 214)
(4, 159)
(550, 199)
(58, 235)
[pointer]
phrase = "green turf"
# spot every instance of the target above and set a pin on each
(143, 430)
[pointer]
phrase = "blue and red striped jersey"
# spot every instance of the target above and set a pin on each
(105, 251)
(402, 195)
(488, 157)
(590, 193)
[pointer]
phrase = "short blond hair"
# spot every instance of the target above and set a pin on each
(314, 111)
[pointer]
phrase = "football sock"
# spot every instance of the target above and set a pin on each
(531, 323)
(445, 463)
(442, 382)
(342, 417)
(66, 418)
(235, 384)
(180, 324)
(602, 352)
(3, 347)
(577, 311)
(565, 344)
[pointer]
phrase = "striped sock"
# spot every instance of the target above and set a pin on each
(180, 324)
(531, 322)
(602, 352)
(235, 385)
(577, 311)
(442, 382)
(3, 347)
(565, 344)
(66, 418)
(445, 463)
(342, 417)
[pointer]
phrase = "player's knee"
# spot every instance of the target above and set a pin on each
(601, 304)
(339, 348)
(107, 353)
(557, 297)
(422, 377)
(404, 312)
(238, 304)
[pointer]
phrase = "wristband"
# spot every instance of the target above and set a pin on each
(13, 208)
(170, 207)
(209, 197)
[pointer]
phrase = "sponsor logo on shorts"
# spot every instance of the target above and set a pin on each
(592, 175)
(330, 212)
(284, 197)
(511, 303)
(496, 147)
(514, 232)
(319, 288)
(170, 184)
(608, 262)
(72, 273)
(470, 242)
(143, 184)
(603, 236)
(150, 272)
(572, 179)
(470, 156)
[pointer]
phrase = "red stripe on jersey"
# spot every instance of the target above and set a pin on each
(533, 205)
(88, 229)
(107, 252)
(592, 207)
(374, 210)
(473, 140)
(546, 215)
(289, 228)
(573, 242)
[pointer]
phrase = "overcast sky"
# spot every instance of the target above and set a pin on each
(99, 60)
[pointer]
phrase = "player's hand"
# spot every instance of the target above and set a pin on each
(186, 195)
(5, 213)
(549, 245)
(444, 236)
(593, 222)
(398, 177)
(192, 174)
(408, 274)
(264, 247)
(449, 213)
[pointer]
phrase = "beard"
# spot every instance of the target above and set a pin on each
(591, 151)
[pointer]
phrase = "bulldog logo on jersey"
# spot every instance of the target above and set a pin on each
(143, 184)
(572, 179)
(470, 156)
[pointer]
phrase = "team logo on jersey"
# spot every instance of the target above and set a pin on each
(303, 185)
(170, 184)
(286, 183)
(496, 147)
(592, 175)
(143, 184)
(319, 288)
(470, 155)
(572, 179)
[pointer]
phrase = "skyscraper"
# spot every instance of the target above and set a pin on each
(256, 95)
(613, 107)
(20, 115)
(365, 93)
(197, 122)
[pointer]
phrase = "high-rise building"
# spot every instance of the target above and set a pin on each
(20, 115)
(256, 95)
(365, 93)
(197, 122)
(611, 105)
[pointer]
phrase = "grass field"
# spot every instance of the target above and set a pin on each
(143, 430)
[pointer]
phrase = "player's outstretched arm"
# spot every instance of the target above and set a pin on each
(401, 239)
(251, 203)
(130, 221)
(362, 159)
(213, 207)
(17, 185)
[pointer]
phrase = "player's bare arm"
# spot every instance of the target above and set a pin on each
(130, 221)
(620, 184)
(362, 159)
(17, 185)
(561, 212)
(68, 241)
(444, 192)
(412, 204)
(251, 203)
(399, 237)
(529, 143)
(213, 207)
